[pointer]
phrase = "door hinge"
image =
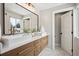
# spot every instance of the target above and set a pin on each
(72, 50)
(72, 14)
(71, 32)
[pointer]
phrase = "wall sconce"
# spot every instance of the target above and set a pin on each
(30, 5)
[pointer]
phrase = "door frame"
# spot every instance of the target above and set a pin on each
(53, 24)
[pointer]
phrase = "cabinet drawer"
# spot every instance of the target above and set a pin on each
(26, 52)
(37, 41)
(31, 53)
(13, 52)
(37, 50)
(26, 46)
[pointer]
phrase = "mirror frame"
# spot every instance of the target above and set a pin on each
(3, 31)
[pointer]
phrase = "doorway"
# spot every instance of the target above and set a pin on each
(64, 31)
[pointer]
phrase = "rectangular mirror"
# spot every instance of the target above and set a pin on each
(18, 19)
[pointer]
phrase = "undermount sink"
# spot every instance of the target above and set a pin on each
(11, 40)
(15, 39)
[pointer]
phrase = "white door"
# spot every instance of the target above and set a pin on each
(66, 29)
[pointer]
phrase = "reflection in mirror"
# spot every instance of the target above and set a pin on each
(19, 20)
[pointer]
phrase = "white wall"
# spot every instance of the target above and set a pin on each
(76, 31)
(76, 22)
(46, 20)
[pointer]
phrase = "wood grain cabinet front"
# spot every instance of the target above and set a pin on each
(13, 52)
(20, 50)
(27, 52)
(30, 49)
(44, 42)
(37, 47)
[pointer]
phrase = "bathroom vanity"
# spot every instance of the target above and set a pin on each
(21, 34)
(29, 47)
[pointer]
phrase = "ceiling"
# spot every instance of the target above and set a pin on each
(44, 6)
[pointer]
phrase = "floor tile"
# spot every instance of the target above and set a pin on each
(56, 52)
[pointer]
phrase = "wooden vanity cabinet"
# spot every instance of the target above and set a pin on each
(11, 52)
(37, 47)
(27, 50)
(40, 44)
(44, 42)
(21, 51)
(30, 49)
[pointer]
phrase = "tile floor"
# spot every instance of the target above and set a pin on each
(56, 52)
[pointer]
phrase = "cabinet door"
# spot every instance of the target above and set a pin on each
(44, 42)
(37, 50)
(27, 52)
(13, 52)
(31, 53)
(37, 47)
(37, 42)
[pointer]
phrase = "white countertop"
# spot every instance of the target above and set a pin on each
(21, 43)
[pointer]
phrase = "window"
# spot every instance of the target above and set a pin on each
(13, 21)
(16, 24)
